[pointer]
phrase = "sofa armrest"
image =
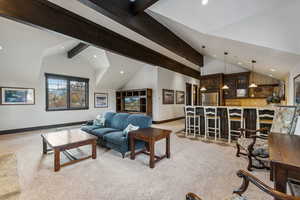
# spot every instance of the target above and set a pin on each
(89, 123)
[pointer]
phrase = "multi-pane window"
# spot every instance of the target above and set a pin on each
(66, 93)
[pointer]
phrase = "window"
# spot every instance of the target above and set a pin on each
(66, 93)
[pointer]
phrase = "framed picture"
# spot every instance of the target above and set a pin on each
(17, 96)
(180, 96)
(297, 90)
(101, 100)
(168, 96)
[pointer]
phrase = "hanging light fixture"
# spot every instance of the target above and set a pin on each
(253, 85)
(203, 88)
(225, 87)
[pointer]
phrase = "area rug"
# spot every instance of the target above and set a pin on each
(9, 180)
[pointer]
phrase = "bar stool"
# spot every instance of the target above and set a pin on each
(211, 115)
(199, 115)
(192, 121)
(235, 122)
(264, 118)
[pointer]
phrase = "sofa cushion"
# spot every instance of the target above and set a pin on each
(103, 131)
(116, 138)
(119, 121)
(89, 128)
(142, 121)
(108, 118)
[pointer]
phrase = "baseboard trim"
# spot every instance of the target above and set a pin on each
(21, 130)
(167, 120)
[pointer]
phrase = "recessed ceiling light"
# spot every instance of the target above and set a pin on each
(240, 63)
(95, 56)
(204, 2)
(271, 75)
(1, 48)
(122, 72)
(273, 70)
(214, 55)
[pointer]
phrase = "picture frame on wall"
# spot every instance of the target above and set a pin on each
(101, 100)
(168, 96)
(17, 96)
(180, 97)
(297, 90)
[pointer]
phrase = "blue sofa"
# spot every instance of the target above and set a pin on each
(112, 135)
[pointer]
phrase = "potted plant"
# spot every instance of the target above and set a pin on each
(273, 100)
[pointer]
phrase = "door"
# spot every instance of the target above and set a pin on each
(188, 94)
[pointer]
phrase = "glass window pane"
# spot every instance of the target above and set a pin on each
(57, 94)
(78, 94)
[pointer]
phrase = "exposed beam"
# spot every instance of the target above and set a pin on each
(145, 25)
(139, 6)
(77, 49)
(48, 16)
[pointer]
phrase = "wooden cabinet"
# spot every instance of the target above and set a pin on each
(238, 84)
(134, 101)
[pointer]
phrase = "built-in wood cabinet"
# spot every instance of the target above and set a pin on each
(238, 84)
(134, 101)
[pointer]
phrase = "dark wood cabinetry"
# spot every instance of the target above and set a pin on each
(141, 101)
(238, 84)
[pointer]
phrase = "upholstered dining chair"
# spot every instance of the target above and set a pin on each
(254, 143)
(247, 179)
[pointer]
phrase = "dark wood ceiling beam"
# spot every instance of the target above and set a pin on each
(48, 16)
(145, 25)
(77, 49)
(139, 6)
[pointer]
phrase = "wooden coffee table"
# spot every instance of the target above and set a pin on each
(150, 136)
(62, 141)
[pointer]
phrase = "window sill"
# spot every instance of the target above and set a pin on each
(66, 109)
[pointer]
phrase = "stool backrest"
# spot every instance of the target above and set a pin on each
(235, 113)
(210, 111)
(265, 117)
(189, 110)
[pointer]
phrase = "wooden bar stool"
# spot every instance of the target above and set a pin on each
(192, 121)
(235, 122)
(211, 117)
(264, 118)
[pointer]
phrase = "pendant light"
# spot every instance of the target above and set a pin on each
(225, 87)
(253, 85)
(203, 88)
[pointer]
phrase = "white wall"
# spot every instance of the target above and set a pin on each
(35, 115)
(214, 66)
(158, 78)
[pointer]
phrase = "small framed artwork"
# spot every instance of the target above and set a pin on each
(297, 90)
(180, 96)
(101, 100)
(168, 96)
(17, 96)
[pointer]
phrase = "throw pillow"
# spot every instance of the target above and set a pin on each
(129, 128)
(99, 121)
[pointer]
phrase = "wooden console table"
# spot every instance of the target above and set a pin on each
(150, 136)
(285, 159)
(62, 141)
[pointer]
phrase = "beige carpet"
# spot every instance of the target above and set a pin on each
(9, 181)
(204, 168)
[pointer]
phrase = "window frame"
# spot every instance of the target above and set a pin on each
(68, 79)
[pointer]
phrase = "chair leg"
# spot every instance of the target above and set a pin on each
(250, 163)
(238, 150)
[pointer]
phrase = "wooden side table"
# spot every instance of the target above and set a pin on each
(150, 136)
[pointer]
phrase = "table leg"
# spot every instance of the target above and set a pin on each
(94, 150)
(44, 146)
(168, 153)
(152, 154)
(280, 178)
(132, 147)
(56, 160)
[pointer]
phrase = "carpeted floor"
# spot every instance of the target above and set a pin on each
(207, 169)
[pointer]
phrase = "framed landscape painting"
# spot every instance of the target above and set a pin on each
(168, 96)
(17, 96)
(101, 100)
(180, 96)
(297, 90)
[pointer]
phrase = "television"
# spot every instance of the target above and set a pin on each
(132, 104)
